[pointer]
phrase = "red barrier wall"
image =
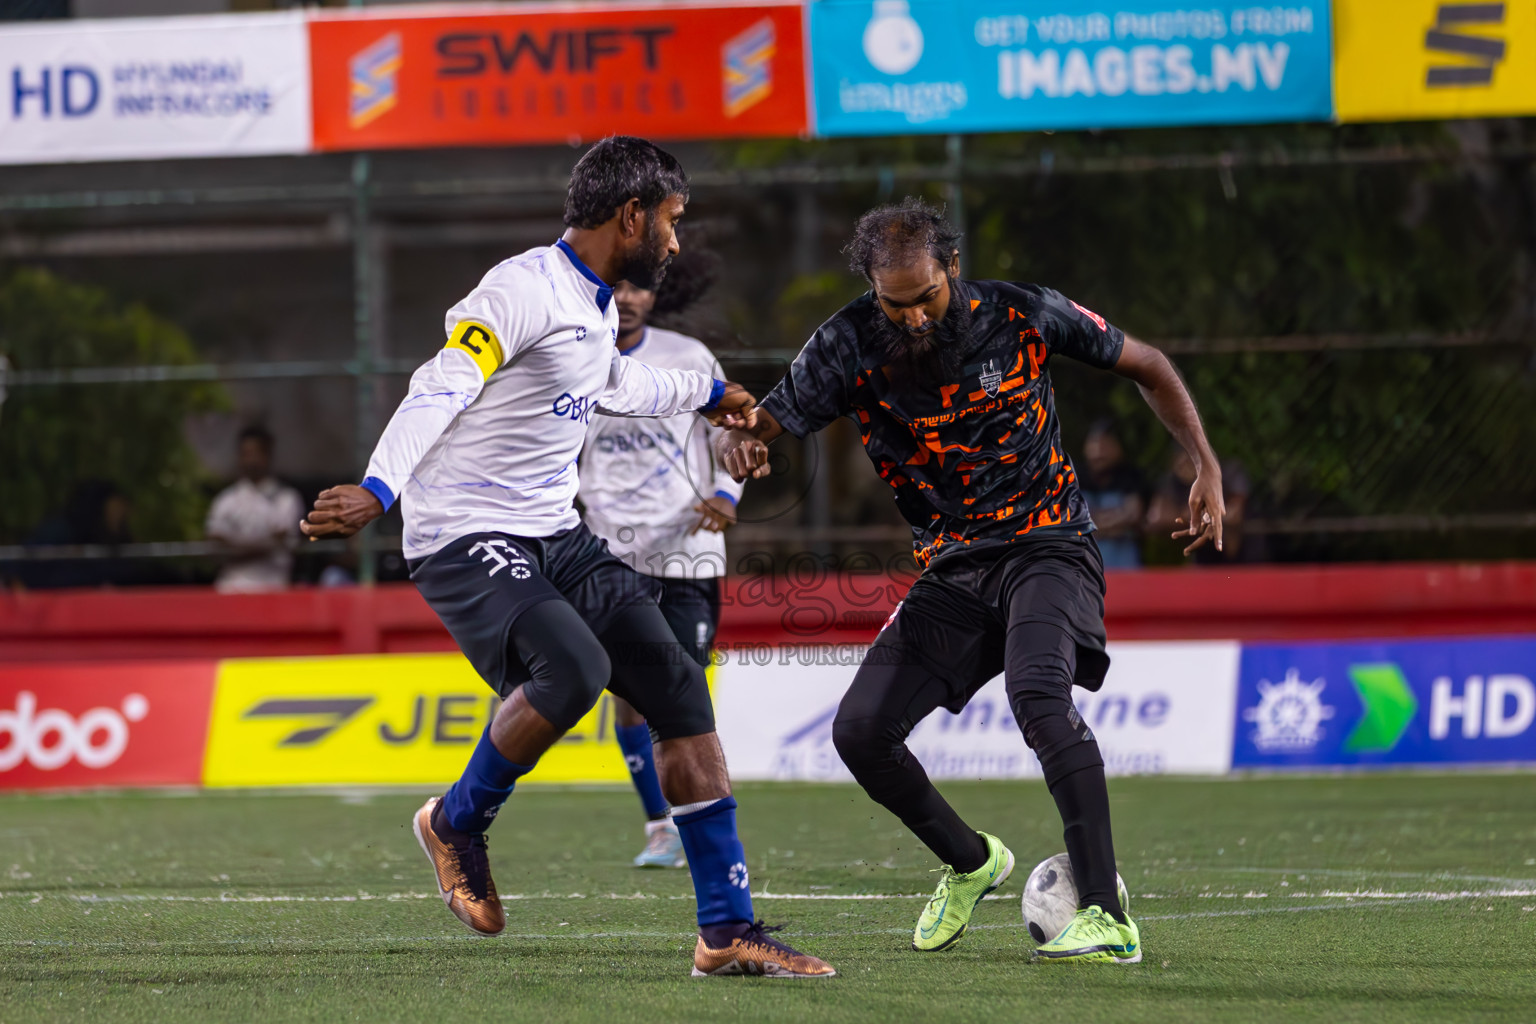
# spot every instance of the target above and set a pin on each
(1268, 603)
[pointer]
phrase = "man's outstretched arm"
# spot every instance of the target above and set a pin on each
(1165, 392)
(640, 389)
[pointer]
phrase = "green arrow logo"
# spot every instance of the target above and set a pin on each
(1389, 707)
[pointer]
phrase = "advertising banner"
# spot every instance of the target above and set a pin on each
(140, 724)
(1408, 59)
(401, 719)
(1165, 708)
(894, 67)
(556, 73)
(148, 88)
(1464, 701)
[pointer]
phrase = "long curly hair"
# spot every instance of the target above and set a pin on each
(897, 233)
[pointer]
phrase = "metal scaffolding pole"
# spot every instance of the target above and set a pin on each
(363, 272)
(954, 195)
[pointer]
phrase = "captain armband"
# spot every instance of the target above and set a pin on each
(481, 344)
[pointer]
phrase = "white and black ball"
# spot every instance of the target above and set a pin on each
(1050, 898)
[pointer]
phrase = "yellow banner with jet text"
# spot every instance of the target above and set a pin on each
(396, 719)
(1415, 59)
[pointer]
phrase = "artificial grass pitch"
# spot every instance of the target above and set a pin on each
(1361, 898)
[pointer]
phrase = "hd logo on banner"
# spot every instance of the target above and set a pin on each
(403, 719)
(145, 88)
(1408, 59)
(537, 73)
(903, 66)
(1414, 702)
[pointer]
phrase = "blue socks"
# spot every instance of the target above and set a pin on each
(471, 803)
(635, 742)
(717, 861)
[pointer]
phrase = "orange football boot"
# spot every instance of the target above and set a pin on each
(463, 874)
(758, 954)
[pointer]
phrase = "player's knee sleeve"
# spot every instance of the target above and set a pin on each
(864, 744)
(568, 668)
(682, 706)
(657, 675)
(1040, 694)
(1056, 733)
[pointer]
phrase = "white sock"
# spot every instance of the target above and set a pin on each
(691, 808)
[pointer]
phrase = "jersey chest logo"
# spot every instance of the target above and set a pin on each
(581, 334)
(990, 377)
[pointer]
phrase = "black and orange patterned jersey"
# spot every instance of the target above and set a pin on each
(976, 460)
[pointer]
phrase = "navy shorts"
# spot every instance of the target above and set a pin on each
(478, 585)
(956, 619)
(692, 609)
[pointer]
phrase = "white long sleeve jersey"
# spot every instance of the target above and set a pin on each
(488, 437)
(640, 479)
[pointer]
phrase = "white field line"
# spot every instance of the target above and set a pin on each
(1373, 895)
(1439, 876)
(192, 945)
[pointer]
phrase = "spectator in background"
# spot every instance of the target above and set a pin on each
(1171, 502)
(257, 520)
(95, 517)
(1116, 495)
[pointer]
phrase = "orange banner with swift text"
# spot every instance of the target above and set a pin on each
(546, 73)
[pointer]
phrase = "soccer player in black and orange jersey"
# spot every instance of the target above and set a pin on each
(949, 382)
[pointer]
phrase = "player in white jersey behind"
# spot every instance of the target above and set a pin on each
(653, 490)
(482, 454)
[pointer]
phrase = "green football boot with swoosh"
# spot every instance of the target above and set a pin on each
(1093, 937)
(948, 912)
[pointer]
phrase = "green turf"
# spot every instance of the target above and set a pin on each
(113, 909)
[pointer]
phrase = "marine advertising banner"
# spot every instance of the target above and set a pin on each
(557, 73)
(894, 67)
(1409, 59)
(1454, 701)
(400, 719)
(1166, 708)
(151, 88)
(77, 726)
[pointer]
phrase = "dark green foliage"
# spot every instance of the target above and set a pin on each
(1432, 237)
(131, 435)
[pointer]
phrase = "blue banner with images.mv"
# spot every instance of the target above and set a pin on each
(1450, 701)
(893, 67)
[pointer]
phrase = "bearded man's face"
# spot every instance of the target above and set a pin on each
(652, 252)
(918, 323)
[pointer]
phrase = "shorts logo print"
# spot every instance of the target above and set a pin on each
(506, 556)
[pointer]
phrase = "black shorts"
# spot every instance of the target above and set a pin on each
(692, 609)
(478, 585)
(955, 619)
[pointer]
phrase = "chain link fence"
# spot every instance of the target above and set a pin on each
(1353, 309)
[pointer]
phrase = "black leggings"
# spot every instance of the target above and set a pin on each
(887, 700)
(636, 656)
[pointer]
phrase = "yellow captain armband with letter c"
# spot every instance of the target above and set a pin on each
(481, 344)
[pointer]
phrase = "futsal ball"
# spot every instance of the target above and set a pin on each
(1050, 898)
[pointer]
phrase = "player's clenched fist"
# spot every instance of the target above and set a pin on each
(736, 409)
(341, 511)
(742, 455)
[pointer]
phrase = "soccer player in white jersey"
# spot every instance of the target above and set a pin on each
(482, 455)
(653, 490)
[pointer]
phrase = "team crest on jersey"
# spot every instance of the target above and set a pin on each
(581, 334)
(990, 377)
